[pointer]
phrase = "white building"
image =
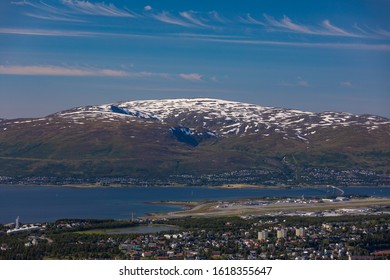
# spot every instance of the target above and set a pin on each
(281, 233)
(263, 235)
(300, 232)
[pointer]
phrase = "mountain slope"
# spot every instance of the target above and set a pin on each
(161, 138)
(226, 117)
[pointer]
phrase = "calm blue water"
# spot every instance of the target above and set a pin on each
(39, 204)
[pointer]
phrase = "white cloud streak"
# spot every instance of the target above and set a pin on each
(54, 17)
(383, 33)
(40, 6)
(214, 15)
(334, 30)
(46, 32)
(191, 77)
(328, 29)
(250, 20)
(286, 23)
(19, 3)
(191, 17)
(51, 70)
(47, 12)
(346, 84)
(197, 37)
(74, 7)
(373, 33)
(72, 10)
(61, 71)
(168, 18)
(75, 33)
(352, 46)
(99, 9)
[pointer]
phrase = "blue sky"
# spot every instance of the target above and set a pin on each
(310, 55)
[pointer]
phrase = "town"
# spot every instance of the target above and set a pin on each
(362, 236)
(304, 177)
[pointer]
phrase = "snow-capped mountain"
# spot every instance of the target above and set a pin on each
(225, 118)
(190, 136)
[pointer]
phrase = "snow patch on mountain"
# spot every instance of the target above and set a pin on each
(224, 118)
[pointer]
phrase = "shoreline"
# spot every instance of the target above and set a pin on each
(114, 186)
(211, 209)
(224, 186)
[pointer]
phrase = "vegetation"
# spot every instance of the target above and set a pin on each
(149, 150)
(211, 238)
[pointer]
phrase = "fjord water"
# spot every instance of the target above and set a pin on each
(42, 203)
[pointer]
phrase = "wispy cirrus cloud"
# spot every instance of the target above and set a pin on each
(250, 20)
(83, 11)
(41, 5)
(379, 33)
(100, 9)
(188, 19)
(192, 17)
(250, 40)
(45, 11)
(201, 37)
(168, 18)
(67, 8)
(328, 29)
(46, 32)
(54, 17)
(224, 39)
(327, 45)
(76, 33)
(215, 16)
(336, 31)
(383, 33)
(287, 23)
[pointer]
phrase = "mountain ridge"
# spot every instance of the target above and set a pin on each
(230, 115)
(174, 137)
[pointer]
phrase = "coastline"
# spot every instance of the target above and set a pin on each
(224, 186)
(211, 209)
(200, 204)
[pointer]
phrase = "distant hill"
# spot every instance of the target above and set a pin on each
(161, 138)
